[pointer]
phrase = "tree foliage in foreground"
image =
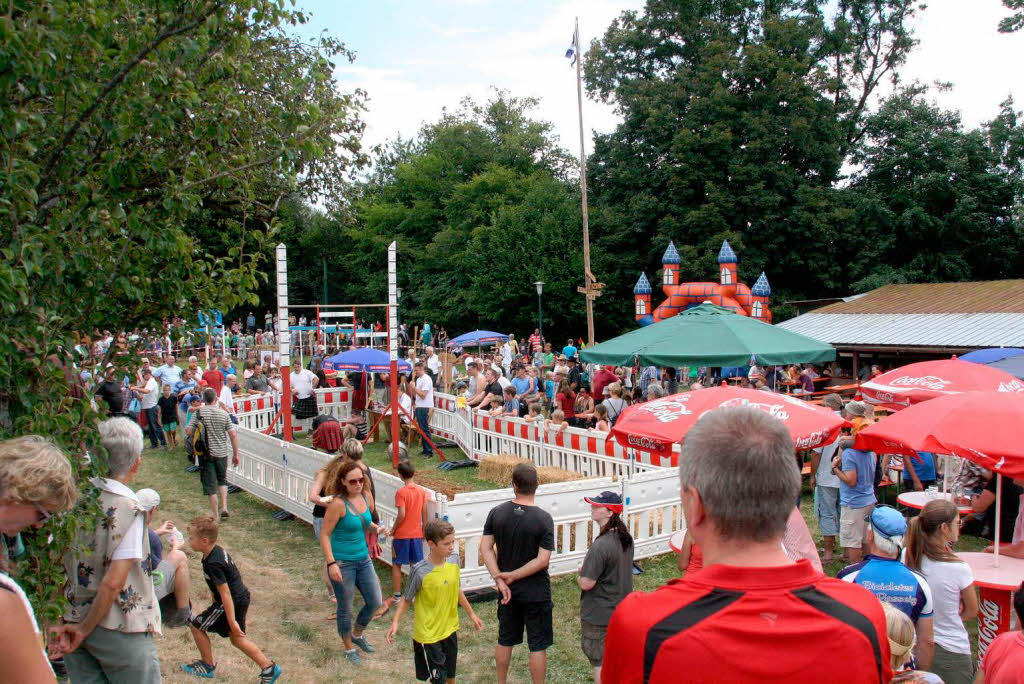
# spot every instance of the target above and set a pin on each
(144, 148)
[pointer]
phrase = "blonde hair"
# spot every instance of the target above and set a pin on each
(352, 448)
(615, 389)
(205, 527)
(34, 470)
(900, 630)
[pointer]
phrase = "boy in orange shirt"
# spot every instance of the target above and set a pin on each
(407, 534)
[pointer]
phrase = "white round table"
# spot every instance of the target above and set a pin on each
(917, 500)
(996, 586)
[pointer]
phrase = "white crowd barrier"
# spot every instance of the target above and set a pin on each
(281, 473)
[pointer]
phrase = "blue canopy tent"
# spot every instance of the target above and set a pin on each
(1007, 359)
(989, 356)
(478, 338)
(365, 360)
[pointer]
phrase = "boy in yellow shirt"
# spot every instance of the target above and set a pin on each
(434, 586)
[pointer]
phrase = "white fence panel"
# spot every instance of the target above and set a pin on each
(563, 500)
(653, 510)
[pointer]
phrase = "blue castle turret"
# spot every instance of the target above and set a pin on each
(642, 300)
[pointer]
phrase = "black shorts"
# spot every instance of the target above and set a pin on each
(213, 619)
(436, 662)
(535, 616)
(213, 474)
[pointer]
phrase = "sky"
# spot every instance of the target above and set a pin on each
(415, 58)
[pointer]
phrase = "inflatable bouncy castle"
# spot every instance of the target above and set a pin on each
(728, 292)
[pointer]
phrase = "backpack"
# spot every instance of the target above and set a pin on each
(618, 411)
(200, 448)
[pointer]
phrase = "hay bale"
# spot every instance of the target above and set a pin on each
(549, 474)
(498, 469)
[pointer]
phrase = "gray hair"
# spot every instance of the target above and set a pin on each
(655, 391)
(122, 439)
(741, 461)
(889, 546)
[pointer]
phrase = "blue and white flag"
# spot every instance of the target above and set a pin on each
(573, 52)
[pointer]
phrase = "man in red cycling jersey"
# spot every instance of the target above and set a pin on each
(750, 614)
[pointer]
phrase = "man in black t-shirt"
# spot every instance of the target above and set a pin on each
(110, 392)
(525, 537)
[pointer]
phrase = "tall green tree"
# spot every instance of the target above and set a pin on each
(737, 116)
(144, 147)
(482, 206)
(935, 202)
(1014, 22)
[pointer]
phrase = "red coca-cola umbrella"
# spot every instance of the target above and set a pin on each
(917, 382)
(656, 425)
(982, 427)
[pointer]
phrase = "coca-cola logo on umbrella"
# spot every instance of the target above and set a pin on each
(669, 409)
(646, 443)
(774, 410)
(1012, 386)
(932, 382)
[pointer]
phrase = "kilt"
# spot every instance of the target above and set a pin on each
(305, 408)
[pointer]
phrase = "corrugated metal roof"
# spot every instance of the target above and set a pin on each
(990, 296)
(912, 330)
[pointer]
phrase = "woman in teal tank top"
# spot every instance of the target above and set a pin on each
(343, 542)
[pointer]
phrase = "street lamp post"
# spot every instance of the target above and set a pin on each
(540, 310)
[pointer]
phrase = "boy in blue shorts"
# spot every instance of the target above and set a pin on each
(434, 587)
(407, 534)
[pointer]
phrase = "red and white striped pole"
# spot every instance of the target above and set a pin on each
(284, 339)
(393, 347)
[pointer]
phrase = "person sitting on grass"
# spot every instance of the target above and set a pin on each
(407, 533)
(434, 590)
(169, 568)
(226, 615)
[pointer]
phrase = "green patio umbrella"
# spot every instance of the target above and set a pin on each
(708, 335)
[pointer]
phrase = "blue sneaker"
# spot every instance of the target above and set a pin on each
(199, 669)
(353, 657)
(362, 643)
(270, 676)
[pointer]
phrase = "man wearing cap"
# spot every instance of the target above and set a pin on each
(606, 576)
(891, 581)
(168, 568)
(856, 472)
(751, 614)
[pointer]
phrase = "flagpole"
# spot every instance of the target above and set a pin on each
(587, 275)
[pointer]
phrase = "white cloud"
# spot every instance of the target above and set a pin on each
(959, 43)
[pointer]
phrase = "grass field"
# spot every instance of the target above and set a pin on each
(281, 563)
